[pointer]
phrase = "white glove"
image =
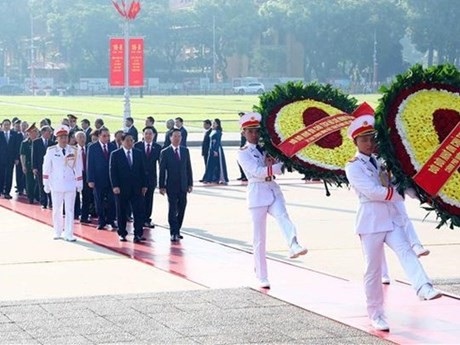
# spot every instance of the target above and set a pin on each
(79, 190)
(47, 189)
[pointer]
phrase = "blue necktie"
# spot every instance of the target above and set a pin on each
(63, 152)
(260, 149)
(373, 161)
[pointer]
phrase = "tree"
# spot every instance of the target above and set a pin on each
(14, 31)
(433, 26)
(236, 28)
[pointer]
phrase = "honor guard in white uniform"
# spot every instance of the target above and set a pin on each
(379, 220)
(62, 177)
(411, 235)
(264, 196)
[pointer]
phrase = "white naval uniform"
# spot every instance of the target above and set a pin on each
(62, 175)
(264, 197)
(409, 229)
(379, 221)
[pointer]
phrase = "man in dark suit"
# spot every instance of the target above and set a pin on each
(98, 177)
(206, 140)
(170, 128)
(73, 127)
(129, 183)
(39, 147)
(20, 177)
(151, 152)
(131, 129)
(84, 198)
(150, 122)
(9, 148)
(179, 123)
(176, 181)
(86, 128)
(117, 142)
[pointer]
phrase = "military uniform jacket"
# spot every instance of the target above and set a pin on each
(260, 192)
(62, 173)
(26, 151)
(377, 211)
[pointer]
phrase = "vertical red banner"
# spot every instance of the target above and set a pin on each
(117, 62)
(136, 62)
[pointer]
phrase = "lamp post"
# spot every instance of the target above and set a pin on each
(376, 65)
(128, 10)
(32, 62)
(127, 96)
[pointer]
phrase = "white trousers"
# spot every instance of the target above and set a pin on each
(259, 224)
(413, 240)
(59, 200)
(372, 245)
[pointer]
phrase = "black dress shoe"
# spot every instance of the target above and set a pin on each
(44, 207)
(122, 238)
(174, 238)
(244, 179)
(149, 225)
(100, 227)
(180, 237)
(8, 197)
(137, 239)
(143, 238)
(239, 178)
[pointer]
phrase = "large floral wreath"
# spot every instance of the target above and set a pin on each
(294, 107)
(418, 131)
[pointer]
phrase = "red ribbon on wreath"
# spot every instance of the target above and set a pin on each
(442, 164)
(314, 132)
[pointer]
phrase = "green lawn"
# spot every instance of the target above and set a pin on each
(194, 109)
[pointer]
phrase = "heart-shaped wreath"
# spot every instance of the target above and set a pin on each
(305, 126)
(418, 124)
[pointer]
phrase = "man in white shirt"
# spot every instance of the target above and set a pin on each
(62, 177)
(378, 220)
(264, 196)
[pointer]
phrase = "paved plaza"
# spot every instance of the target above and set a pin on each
(82, 293)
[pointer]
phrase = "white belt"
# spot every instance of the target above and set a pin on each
(260, 179)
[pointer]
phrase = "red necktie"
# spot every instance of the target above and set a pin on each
(148, 150)
(176, 153)
(83, 156)
(106, 154)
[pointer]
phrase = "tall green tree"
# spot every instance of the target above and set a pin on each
(227, 27)
(433, 26)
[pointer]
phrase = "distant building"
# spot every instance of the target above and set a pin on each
(180, 4)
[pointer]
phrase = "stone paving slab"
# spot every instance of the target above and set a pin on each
(33, 265)
(184, 317)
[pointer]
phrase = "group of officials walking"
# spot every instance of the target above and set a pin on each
(80, 173)
(122, 176)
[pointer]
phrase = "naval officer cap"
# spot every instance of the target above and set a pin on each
(61, 131)
(364, 121)
(31, 128)
(250, 120)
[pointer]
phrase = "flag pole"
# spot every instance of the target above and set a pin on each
(128, 13)
(127, 96)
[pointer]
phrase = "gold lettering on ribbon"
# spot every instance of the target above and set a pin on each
(441, 165)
